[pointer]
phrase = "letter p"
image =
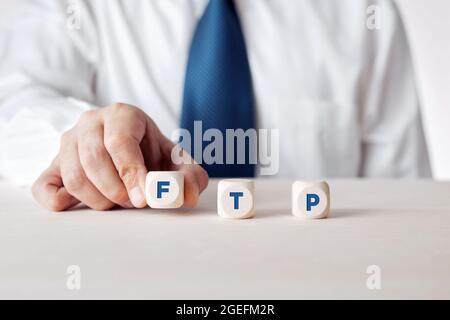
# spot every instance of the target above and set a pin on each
(312, 200)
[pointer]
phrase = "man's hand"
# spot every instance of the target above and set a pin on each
(104, 159)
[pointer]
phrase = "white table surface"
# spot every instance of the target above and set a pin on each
(403, 227)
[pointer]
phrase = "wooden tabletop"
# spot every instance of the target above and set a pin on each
(400, 227)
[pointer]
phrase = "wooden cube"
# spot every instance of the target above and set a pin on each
(310, 200)
(164, 189)
(235, 199)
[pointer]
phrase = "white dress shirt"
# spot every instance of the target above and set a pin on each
(342, 95)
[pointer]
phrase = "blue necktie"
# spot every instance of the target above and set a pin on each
(218, 87)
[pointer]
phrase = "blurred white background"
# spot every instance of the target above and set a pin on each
(428, 28)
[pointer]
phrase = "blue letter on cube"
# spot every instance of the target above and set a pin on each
(236, 196)
(312, 200)
(161, 189)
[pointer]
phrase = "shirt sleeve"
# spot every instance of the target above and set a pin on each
(393, 142)
(47, 74)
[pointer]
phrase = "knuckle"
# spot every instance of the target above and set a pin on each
(66, 137)
(74, 181)
(117, 141)
(128, 174)
(91, 155)
(124, 108)
(120, 107)
(87, 116)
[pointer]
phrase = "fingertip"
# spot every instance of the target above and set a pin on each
(142, 182)
(190, 203)
(202, 178)
(137, 197)
(60, 200)
(49, 192)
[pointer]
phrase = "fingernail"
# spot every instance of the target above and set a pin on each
(136, 197)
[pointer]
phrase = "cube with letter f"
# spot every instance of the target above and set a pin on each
(164, 189)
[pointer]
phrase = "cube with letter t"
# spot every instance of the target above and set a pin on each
(164, 189)
(235, 199)
(310, 200)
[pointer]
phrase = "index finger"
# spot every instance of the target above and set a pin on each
(123, 133)
(195, 177)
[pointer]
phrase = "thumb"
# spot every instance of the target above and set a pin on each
(129, 162)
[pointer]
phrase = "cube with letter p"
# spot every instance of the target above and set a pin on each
(310, 200)
(164, 189)
(235, 199)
